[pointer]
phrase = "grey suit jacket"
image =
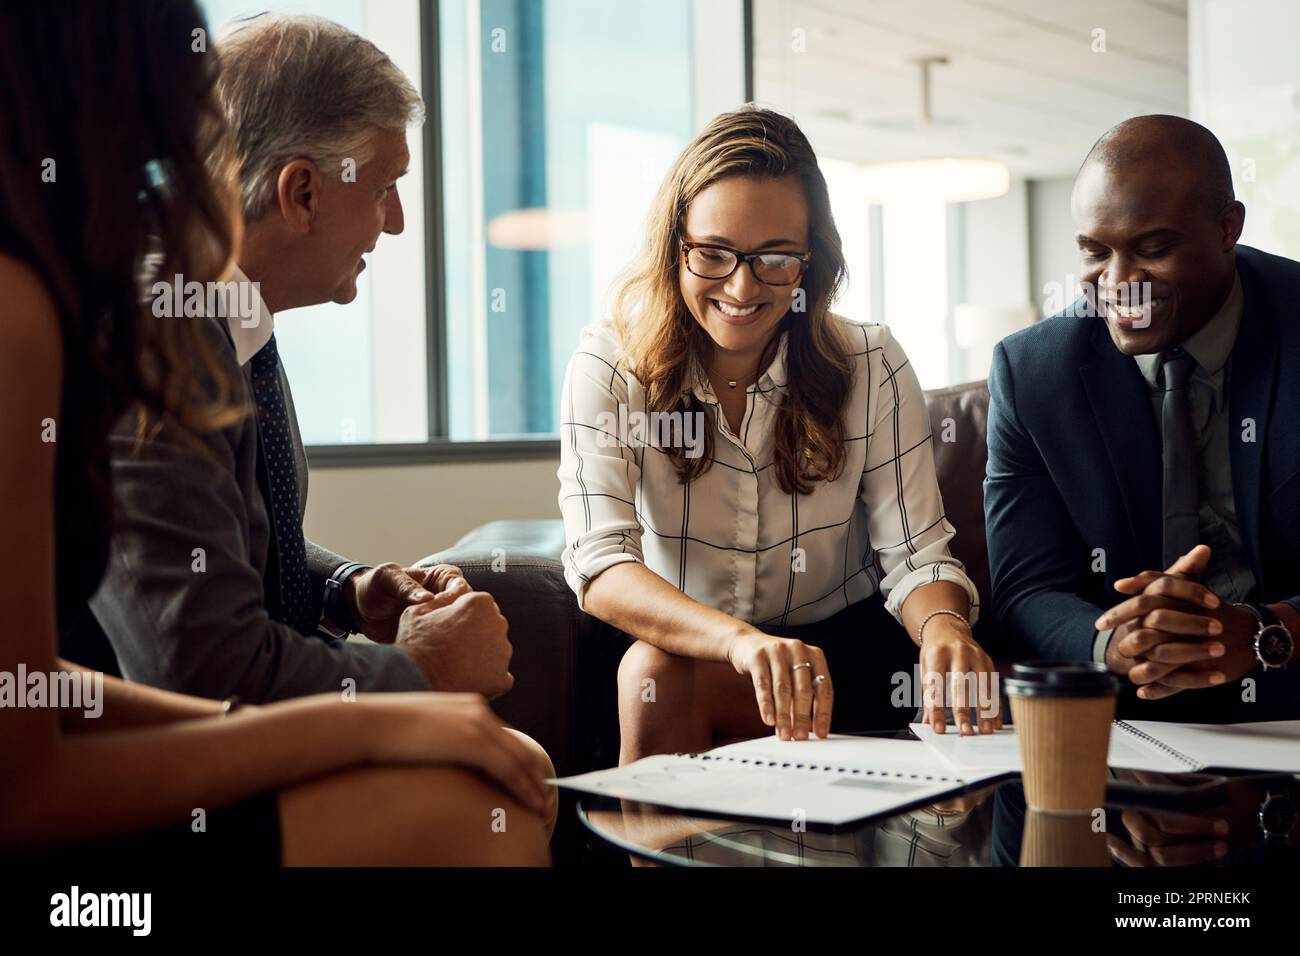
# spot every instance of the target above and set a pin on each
(184, 599)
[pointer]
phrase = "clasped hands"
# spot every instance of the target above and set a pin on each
(1174, 634)
(454, 634)
(378, 596)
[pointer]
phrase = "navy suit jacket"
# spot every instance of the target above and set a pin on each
(1075, 465)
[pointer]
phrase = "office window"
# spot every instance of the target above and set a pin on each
(853, 218)
(358, 370)
(559, 120)
(550, 124)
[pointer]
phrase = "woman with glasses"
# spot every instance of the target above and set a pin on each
(747, 480)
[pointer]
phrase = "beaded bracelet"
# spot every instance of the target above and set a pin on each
(920, 631)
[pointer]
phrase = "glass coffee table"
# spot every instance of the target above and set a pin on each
(1150, 820)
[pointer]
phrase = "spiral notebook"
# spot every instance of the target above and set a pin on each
(835, 780)
(1167, 747)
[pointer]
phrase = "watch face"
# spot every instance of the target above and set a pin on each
(1275, 646)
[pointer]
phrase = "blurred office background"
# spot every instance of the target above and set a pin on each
(949, 131)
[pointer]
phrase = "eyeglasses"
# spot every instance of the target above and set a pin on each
(719, 262)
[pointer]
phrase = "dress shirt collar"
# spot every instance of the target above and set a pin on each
(251, 322)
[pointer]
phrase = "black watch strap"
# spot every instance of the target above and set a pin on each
(1263, 615)
(1270, 623)
(336, 608)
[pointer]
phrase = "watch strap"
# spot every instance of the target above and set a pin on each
(336, 606)
(1265, 618)
(1261, 613)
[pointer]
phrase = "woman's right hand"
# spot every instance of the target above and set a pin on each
(451, 729)
(789, 695)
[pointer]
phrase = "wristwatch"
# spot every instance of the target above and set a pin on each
(336, 608)
(1274, 644)
(1277, 816)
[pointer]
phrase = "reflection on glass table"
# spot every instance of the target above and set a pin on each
(1192, 819)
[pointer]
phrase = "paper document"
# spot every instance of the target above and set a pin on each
(1267, 745)
(832, 781)
(1141, 745)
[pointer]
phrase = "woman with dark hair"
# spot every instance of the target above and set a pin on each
(747, 480)
(106, 125)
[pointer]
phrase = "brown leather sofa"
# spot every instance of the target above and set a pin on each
(565, 663)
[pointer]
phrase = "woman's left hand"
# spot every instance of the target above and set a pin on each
(966, 678)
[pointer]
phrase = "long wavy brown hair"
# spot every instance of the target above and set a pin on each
(660, 338)
(108, 127)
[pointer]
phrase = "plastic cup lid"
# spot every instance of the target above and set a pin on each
(1061, 679)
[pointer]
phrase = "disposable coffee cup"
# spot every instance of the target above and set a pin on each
(1062, 711)
(1062, 839)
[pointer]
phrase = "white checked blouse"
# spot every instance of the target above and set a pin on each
(732, 539)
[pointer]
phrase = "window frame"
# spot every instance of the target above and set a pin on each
(438, 448)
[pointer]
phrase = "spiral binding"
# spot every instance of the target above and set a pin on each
(792, 765)
(1159, 744)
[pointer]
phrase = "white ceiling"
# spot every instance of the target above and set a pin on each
(1022, 85)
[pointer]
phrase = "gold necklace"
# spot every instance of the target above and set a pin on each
(733, 384)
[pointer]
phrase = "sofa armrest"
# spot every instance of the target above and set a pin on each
(517, 562)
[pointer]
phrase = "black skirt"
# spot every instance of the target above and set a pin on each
(246, 833)
(872, 663)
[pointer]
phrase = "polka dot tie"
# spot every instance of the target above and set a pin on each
(298, 605)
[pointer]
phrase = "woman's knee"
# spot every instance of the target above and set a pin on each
(430, 816)
(665, 702)
(546, 770)
(644, 667)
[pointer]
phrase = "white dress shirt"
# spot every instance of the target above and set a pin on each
(238, 299)
(732, 539)
(251, 322)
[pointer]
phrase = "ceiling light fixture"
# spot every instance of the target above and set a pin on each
(950, 178)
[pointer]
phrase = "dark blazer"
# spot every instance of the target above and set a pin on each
(1075, 465)
(211, 632)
